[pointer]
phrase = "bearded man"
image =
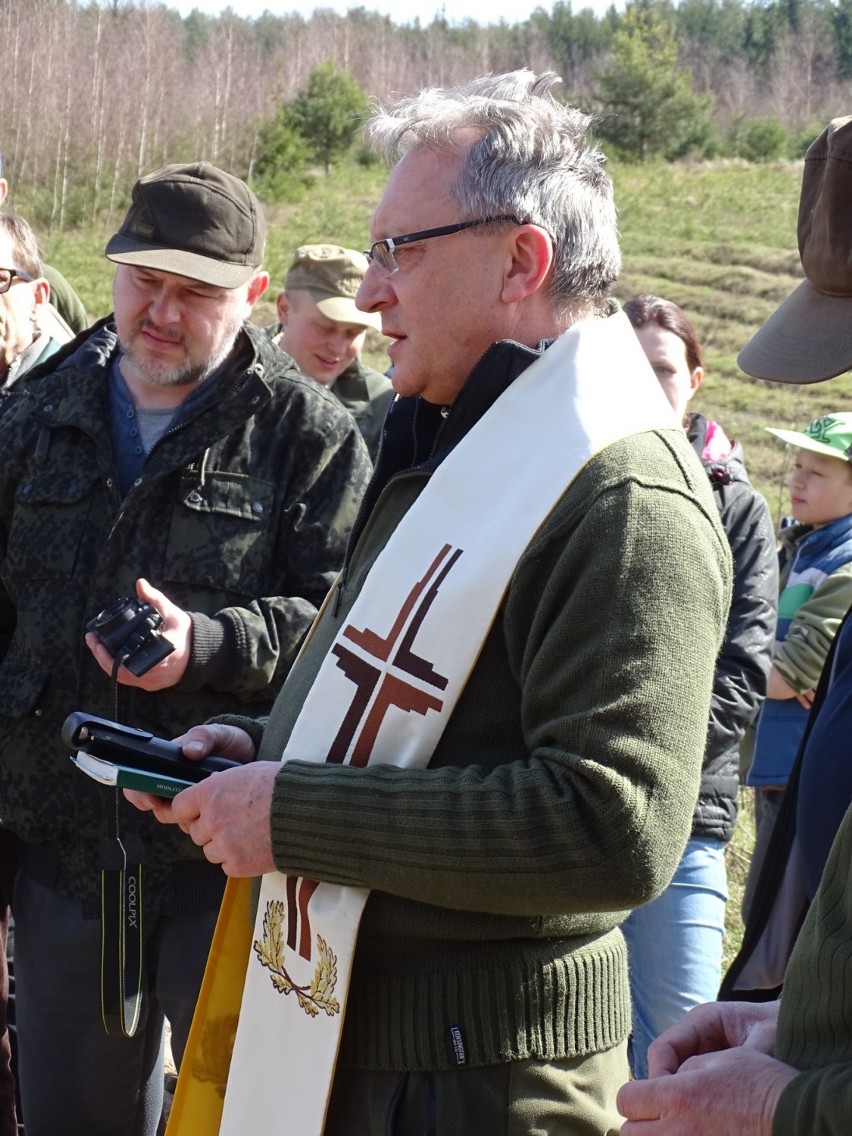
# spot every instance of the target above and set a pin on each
(175, 455)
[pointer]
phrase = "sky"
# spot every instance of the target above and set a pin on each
(400, 11)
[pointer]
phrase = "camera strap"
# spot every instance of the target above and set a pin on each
(122, 975)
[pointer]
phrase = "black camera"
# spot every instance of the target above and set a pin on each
(129, 629)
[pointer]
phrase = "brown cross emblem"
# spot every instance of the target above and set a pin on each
(412, 684)
(410, 687)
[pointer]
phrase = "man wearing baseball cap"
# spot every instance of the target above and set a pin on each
(782, 1067)
(174, 455)
(322, 329)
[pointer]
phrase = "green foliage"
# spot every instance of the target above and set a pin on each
(760, 139)
(714, 27)
(646, 101)
(573, 37)
(329, 112)
(800, 140)
(764, 29)
(279, 172)
(842, 36)
(319, 124)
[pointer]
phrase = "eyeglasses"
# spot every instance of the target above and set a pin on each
(8, 275)
(382, 252)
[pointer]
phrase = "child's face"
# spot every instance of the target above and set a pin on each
(820, 488)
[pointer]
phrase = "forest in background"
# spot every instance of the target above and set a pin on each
(97, 93)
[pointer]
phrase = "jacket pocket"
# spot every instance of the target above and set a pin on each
(21, 688)
(49, 524)
(221, 533)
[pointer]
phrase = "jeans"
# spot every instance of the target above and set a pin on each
(675, 946)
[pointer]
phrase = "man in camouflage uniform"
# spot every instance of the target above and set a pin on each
(323, 331)
(173, 454)
(30, 332)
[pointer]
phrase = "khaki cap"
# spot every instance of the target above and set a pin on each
(809, 337)
(331, 275)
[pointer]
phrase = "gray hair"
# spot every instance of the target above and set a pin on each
(24, 243)
(533, 160)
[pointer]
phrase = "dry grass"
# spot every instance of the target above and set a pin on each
(737, 858)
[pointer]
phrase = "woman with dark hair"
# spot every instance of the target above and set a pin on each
(675, 942)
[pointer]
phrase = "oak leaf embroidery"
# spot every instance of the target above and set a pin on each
(319, 995)
(217, 1044)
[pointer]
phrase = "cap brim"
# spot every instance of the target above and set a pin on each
(203, 268)
(806, 340)
(343, 309)
(806, 442)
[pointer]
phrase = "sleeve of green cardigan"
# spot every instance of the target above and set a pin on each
(818, 1103)
(583, 803)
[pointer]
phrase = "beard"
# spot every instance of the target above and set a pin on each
(185, 374)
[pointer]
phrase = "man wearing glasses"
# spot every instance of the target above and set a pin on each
(67, 306)
(493, 738)
(29, 331)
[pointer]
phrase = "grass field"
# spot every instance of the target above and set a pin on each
(719, 239)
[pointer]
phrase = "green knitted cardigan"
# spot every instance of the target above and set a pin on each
(560, 794)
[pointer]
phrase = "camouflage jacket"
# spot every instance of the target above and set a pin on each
(241, 518)
(366, 394)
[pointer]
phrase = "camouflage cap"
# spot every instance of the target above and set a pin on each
(331, 275)
(193, 220)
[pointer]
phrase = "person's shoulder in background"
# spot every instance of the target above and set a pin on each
(66, 301)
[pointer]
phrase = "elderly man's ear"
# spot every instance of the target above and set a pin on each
(532, 258)
(4, 190)
(41, 297)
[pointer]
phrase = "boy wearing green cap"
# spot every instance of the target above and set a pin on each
(815, 555)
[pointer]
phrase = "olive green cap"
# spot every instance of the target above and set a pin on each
(331, 275)
(196, 221)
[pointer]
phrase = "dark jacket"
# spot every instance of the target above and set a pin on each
(240, 517)
(743, 664)
(815, 801)
(366, 394)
